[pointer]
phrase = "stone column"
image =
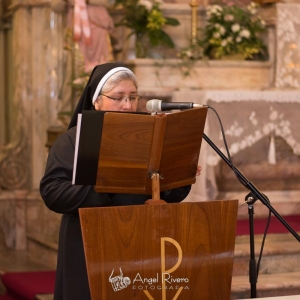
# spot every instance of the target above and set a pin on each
(37, 67)
(37, 50)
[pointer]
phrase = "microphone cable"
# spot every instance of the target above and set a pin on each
(245, 184)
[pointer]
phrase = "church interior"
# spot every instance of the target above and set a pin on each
(254, 96)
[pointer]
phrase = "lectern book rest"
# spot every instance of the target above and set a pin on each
(117, 152)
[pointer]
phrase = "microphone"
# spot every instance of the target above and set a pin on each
(156, 105)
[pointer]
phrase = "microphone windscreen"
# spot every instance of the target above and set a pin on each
(153, 105)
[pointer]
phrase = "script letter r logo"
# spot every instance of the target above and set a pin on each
(165, 272)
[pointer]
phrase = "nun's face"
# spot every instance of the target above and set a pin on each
(123, 97)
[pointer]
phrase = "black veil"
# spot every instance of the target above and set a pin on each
(85, 101)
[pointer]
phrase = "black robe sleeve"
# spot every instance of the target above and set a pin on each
(175, 195)
(56, 186)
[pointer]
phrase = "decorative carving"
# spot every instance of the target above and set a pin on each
(194, 5)
(7, 222)
(288, 47)
(249, 118)
(245, 123)
(252, 161)
(14, 165)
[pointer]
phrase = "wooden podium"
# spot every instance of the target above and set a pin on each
(172, 251)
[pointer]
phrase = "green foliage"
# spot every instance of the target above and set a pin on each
(145, 18)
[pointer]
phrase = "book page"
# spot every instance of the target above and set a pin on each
(76, 147)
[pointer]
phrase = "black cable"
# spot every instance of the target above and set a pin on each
(263, 243)
(244, 183)
(223, 134)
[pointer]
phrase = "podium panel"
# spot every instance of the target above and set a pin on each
(170, 251)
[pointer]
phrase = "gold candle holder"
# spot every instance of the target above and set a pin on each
(194, 5)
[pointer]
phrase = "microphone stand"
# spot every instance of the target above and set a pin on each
(250, 199)
(252, 263)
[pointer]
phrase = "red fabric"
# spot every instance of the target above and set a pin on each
(6, 297)
(275, 225)
(26, 285)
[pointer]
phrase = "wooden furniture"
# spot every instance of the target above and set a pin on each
(170, 251)
(134, 146)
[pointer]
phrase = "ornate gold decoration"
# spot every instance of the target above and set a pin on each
(194, 5)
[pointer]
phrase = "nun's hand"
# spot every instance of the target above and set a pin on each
(199, 169)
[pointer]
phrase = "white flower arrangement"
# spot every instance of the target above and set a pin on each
(234, 30)
(230, 30)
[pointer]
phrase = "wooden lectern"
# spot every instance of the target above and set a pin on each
(173, 251)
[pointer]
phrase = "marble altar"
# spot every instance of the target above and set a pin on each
(247, 116)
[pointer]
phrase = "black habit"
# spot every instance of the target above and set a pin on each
(62, 197)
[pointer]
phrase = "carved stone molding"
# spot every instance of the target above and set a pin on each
(14, 164)
(288, 44)
(28, 3)
(37, 68)
(13, 218)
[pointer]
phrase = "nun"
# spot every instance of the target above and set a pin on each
(111, 87)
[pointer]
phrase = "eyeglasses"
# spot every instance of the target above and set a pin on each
(132, 99)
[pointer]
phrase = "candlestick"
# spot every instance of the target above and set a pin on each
(194, 5)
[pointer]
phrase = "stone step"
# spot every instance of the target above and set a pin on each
(279, 272)
(20, 261)
(44, 297)
(43, 248)
(268, 285)
(281, 253)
